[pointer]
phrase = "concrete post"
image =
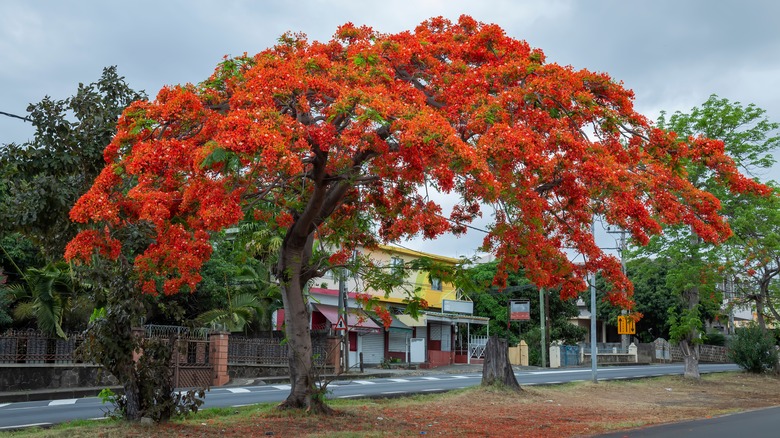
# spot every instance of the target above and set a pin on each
(633, 351)
(555, 356)
(523, 353)
(218, 356)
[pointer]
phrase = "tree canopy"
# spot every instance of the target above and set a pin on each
(340, 135)
(43, 178)
(340, 141)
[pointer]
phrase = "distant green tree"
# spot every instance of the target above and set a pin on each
(493, 303)
(655, 297)
(43, 178)
(749, 139)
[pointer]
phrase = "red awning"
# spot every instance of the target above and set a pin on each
(357, 319)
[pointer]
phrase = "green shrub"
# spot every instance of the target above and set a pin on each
(715, 338)
(753, 350)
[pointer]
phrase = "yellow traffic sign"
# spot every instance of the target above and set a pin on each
(626, 325)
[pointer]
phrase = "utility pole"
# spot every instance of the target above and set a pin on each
(544, 327)
(343, 316)
(594, 351)
(622, 249)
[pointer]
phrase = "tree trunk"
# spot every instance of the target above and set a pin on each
(689, 345)
(132, 400)
(760, 313)
(496, 370)
(691, 357)
(304, 393)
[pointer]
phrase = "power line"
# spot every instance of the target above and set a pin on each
(26, 119)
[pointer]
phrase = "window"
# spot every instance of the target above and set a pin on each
(397, 266)
(435, 283)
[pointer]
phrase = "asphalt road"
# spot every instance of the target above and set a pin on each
(42, 413)
(762, 423)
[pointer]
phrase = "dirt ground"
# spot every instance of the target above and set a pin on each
(576, 409)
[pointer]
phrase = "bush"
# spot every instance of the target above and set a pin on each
(715, 338)
(753, 350)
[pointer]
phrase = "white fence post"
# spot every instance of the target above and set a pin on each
(633, 351)
(555, 356)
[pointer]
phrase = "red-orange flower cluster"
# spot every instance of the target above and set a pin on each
(346, 139)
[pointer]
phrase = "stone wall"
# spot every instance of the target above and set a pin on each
(30, 377)
(707, 354)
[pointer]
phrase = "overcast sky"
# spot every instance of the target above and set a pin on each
(672, 53)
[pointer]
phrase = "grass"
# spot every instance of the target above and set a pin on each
(572, 409)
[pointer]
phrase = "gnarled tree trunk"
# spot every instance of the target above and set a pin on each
(690, 353)
(496, 370)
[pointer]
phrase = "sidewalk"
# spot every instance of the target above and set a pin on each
(368, 373)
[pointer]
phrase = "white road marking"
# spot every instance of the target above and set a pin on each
(2, 405)
(433, 389)
(68, 401)
(398, 380)
(394, 392)
(238, 390)
(350, 396)
(283, 387)
(459, 377)
(20, 426)
(241, 406)
(431, 378)
(364, 382)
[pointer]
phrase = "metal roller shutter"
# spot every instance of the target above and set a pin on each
(397, 340)
(373, 348)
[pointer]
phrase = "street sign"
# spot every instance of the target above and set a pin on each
(519, 310)
(626, 325)
(340, 324)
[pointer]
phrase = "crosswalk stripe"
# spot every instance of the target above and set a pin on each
(68, 401)
(237, 390)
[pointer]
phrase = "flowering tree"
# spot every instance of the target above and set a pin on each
(339, 141)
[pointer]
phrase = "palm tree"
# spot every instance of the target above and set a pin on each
(241, 309)
(254, 299)
(43, 295)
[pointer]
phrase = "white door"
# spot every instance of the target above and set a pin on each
(354, 359)
(416, 350)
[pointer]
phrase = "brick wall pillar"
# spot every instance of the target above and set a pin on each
(218, 357)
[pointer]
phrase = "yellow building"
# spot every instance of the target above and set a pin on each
(440, 334)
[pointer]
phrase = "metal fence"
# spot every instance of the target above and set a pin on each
(604, 348)
(269, 351)
(166, 331)
(34, 347)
